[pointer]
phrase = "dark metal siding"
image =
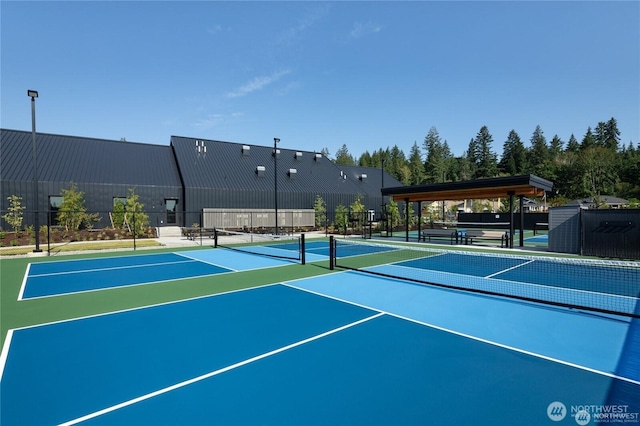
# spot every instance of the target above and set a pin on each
(226, 178)
(564, 229)
(101, 169)
(611, 233)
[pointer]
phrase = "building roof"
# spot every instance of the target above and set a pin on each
(528, 185)
(234, 166)
(85, 160)
(606, 199)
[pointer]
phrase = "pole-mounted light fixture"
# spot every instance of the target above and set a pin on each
(275, 176)
(33, 94)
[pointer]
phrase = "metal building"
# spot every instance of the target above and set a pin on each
(103, 169)
(176, 182)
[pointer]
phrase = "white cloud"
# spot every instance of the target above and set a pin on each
(362, 29)
(257, 84)
(215, 120)
(294, 85)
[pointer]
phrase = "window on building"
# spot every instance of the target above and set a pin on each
(171, 209)
(55, 201)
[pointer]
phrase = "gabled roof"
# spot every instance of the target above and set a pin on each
(85, 160)
(233, 166)
(528, 185)
(606, 199)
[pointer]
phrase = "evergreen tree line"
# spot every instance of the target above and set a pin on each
(594, 166)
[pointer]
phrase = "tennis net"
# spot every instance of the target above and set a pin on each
(611, 287)
(278, 246)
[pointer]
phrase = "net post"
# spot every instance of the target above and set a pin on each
(302, 249)
(332, 253)
(215, 237)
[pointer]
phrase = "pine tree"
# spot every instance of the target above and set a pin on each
(612, 135)
(514, 158)
(435, 163)
(365, 160)
(416, 166)
(538, 153)
(572, 145)
(343, 157)
(486, 159)
(588, 141)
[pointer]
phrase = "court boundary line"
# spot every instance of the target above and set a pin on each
(509, 269)
(220, 371)
(28, 269)
(7, 340)
(113, 268)
(126, 286)
(468, 336)
(208, 263)
(26, 327)
(189, 259)
(24, 281)
(285, 262)
(5, 351)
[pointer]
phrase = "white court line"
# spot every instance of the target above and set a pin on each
(509, 269)
(7, 341)
(468, 336)
(187, 260)
(215, 373)
(5, 352)
(207, 262)
(24, 281)
(113, 268)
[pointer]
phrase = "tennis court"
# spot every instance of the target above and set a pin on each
(56, 278)
(320, 347)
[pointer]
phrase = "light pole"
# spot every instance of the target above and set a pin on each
(33, 94)
(275, 176)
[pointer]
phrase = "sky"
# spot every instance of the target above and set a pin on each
(320, 75)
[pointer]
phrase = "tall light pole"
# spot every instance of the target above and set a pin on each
(275, 176)
(33, 94)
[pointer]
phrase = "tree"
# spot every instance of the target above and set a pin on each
(365, 160)
(117, 216)
(538, 153)
(72, 213)
(612, 135)
(514, 158)
(137, 219)
(320, 212)
(572, 145)
(15, 212)
(435, 166)
(357, 211)
(343, 157)
(342, 218)
(416, 168)
(397, 164)
(597, 168)
(485, 159)
(588, 141)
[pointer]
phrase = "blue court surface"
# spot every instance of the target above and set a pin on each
(340, 349)
(74, 276)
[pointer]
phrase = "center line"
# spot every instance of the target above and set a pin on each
(216, 372)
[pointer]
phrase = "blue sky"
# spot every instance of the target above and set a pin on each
(319, 75)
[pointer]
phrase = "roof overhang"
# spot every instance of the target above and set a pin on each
(525, 185)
